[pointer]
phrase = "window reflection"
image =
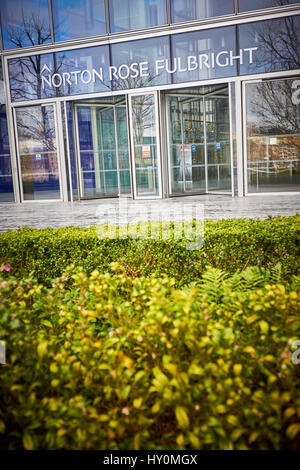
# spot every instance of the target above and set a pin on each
(207, 54)
(83, 70)
(273, 135)
(78, 18)
(24, 23)
(247, 5)
(136, 14)
(134, 63)
(278, 44)
(186, 10)
(26, 77)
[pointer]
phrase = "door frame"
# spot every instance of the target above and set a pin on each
(158, 143)
(58, 152)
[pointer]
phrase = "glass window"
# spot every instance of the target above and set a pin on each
(135, 63)
(136, 14)
(24, 23)
(247, 5)
(6, 182)
(29, 75)
(203, 55)
(277, 44)
(186, 10)
(78, 18)
(273, 135)
(82, 70)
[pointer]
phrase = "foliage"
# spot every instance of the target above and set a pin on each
(108, 360)
(229, 245)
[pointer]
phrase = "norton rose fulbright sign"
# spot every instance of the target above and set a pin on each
(211, 60)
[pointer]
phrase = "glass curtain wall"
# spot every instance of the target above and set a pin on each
(273, 135)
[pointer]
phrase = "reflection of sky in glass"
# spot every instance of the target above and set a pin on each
(26, 77)
(78, 18)
(247, 5)
(204, 42)
(136, 14)
(143, 50)
(84, 59)
(181, 10)
(24, 23)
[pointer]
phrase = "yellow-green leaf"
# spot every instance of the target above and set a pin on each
(293, 430)
(264, 327)
(182, 417)
(42, 349)
(27, 441)
(237, 369)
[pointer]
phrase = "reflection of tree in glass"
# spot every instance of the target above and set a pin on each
(279, 44)
(275, 112)
(274, 125)
(143, 118)
(34, 30)
(26, 82)
(36, 129)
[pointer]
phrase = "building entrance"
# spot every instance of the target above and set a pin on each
(103, 148)
(199, 143)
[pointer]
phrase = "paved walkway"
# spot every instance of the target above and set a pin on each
(87, 213)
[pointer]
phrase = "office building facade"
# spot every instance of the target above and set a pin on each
(148, 98)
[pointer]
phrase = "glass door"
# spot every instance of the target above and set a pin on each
(186, 144)
(38, 153)
(145, 146)
(102, 140)
(199, 141)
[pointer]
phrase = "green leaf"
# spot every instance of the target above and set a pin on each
(27, 441)
(182, 417)
(42, 349)
(293, 430)
(264, 327)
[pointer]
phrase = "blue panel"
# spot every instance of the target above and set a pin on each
(78, 18)
(85, 128)
(25, 23)
(136, 14)
(277, 42)
(134, 63)
(182, 10)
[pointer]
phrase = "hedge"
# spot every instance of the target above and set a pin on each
(117, 362)
(228, 244)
